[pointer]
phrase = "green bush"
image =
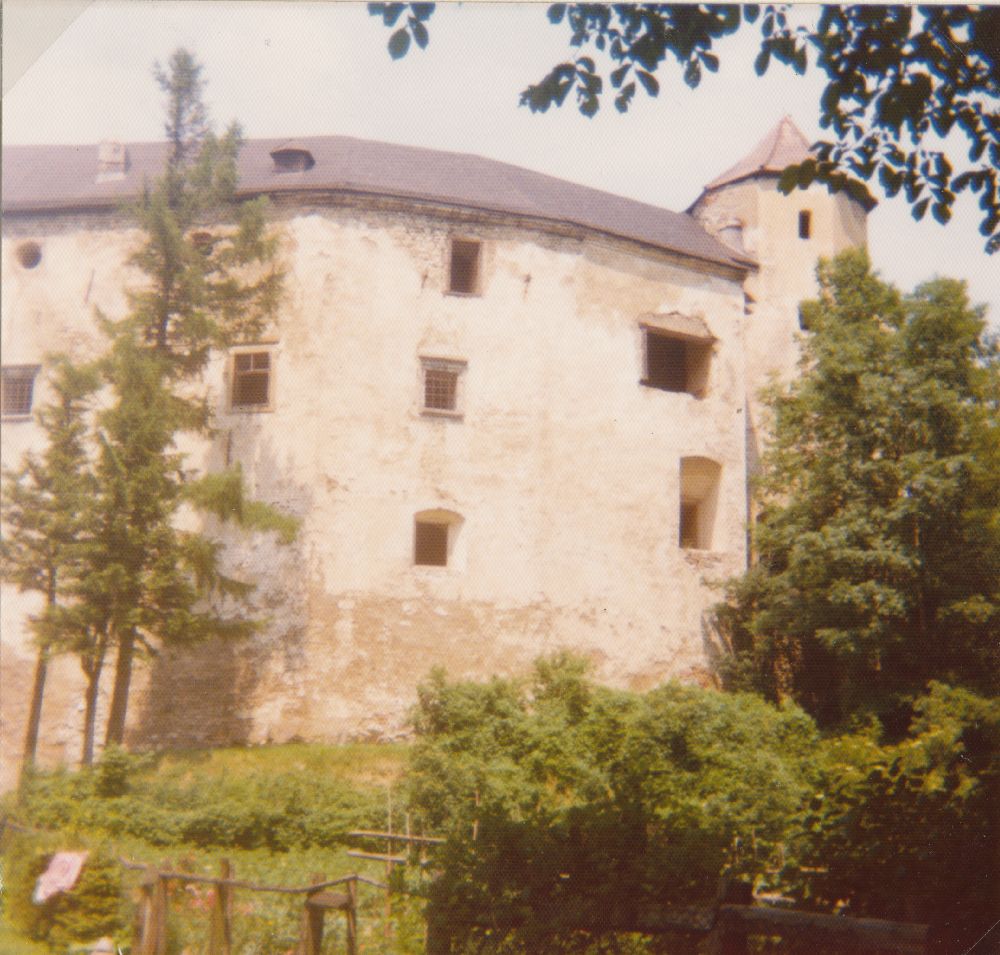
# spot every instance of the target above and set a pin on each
(278, 812)
(587, 800)
(93, 908)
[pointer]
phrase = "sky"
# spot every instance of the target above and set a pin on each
(317, 67)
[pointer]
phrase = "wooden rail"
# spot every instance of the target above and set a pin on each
(151, 920)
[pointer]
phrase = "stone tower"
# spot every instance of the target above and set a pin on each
(785, 236)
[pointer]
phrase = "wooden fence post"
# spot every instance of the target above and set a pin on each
(352, 917)
(152, 922)
(311, 935)
(220, 939)
(728, 936)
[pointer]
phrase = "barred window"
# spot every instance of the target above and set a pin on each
(442, 386)
(18, 388)
(251, 379)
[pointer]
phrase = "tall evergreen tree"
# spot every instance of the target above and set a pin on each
(45, 506)
(879, 539)
(211, 278)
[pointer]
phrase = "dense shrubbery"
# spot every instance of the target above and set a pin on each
(279, 811)
(95, 906)
(588, 801)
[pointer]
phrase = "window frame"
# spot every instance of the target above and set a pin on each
(18, 373)
(453, 366)
(232, 374)
(697, 358)
(477, 285)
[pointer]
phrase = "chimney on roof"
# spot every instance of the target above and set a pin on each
(112, 160)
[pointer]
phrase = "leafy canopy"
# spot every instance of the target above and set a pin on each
(899, 80)
(878, 539)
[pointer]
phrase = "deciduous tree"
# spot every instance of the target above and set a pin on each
(899, 80)
(878, 543)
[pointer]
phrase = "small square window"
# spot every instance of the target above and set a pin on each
(442, 386)
(805, 224)
(430, 544)
(676, 364)
(251, 379)
(18, 388)
(463, 271)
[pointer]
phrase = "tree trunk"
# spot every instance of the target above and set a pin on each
(93, 671)
(34, 715)
(119, 696)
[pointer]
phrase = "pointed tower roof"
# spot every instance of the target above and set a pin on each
(783, 146)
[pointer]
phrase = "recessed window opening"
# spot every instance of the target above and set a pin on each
(251, 379)
(675, 363)
(805, 224)
(17, 387)
(29, 254)
(442, 386)
(292, 159)
(464, 266)
(698, 503)
(434, 536)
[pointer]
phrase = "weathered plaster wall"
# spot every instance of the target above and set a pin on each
(564, 469)
(787, 269)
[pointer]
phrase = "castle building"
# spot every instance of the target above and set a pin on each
(515, 415)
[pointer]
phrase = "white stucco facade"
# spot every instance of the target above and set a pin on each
(557, 472)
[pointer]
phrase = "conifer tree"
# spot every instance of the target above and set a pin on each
(210, 278)
(879, 541)
(45, 507)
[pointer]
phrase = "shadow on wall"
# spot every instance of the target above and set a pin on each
(205, 694)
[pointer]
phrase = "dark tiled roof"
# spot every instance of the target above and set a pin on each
(63, 178)
(783, 146)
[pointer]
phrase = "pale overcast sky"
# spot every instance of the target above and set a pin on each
(298, 68)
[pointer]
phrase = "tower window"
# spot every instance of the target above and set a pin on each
(676, 363)
(251, 380)
(18, 386)
(805, 224)
(463, 270)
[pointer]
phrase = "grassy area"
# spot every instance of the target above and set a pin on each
(279, 814)
(361, 765)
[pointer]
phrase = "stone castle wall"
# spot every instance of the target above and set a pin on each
(562, 472)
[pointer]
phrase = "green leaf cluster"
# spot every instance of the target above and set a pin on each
(566, 802)
(878, 537)
(899, 79)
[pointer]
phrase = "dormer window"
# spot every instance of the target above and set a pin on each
(292, 157)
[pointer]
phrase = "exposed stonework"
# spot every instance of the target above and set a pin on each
(559, 468)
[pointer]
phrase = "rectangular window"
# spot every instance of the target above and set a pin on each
(18, 388)
(252, 379)
(676, 364)
(805, 224)
(430, 544)
(442, 386)
(689, 525)
(463, 269)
